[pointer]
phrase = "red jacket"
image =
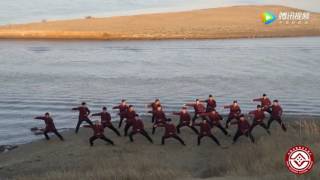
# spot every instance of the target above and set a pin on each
(212, 104)
(198, 108)
(233, 109)
(49, 123)
(130, 116)
(258, 115)
(83, 112)
(122, 109)
(185, 118)
(205, 128)
(154, 106)
(170, 129)
(214, 118)
(105, 117)
(276, 111)
(137, 125)
(98, 130)
(265, 102)
(243, 126)
(160, 117)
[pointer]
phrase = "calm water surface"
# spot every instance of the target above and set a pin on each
(54, 76)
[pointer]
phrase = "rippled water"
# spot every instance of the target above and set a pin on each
(54, 76)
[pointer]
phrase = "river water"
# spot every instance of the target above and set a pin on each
(54, 76)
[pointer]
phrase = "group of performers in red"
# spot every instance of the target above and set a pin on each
(210, 118)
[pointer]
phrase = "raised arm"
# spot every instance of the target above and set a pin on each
(116, 107)
(96, 114)
(189, 104)
(75, 109)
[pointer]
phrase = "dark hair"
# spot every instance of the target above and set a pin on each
(104, 108)
(169, 120)
(123, 100)
(197, 100)
(259, 106)
(210, 95)
(184, 107)
(264, 95)
(276, 100)
(241, 115)
(235, 101)
(47, 114)
(83, 103)
(130, 106)
(157, 100)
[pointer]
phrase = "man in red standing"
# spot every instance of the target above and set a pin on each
(214, 120)
(198, 109)
(50, 127)
(83, 115)
(170, 132)
(265, 103)
(205, 131)
(130, 118)
(258, 117)
(185, 120)
(98, 133)
(243, 129)
(276, 113)
(154, 107)
(234, 113)
(211, 103)
(160, 119)
(138, 127)
(106, 120)
(123, 108)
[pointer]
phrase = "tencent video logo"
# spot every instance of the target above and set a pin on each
(268, 17)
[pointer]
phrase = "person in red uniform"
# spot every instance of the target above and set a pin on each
(265, 103)
(106, 120)
(50, 127)
(160, 119)
(185, 120)
(123, 108)
(258, 117)
(170, 132)
(234, 113)
(276, 113)
(243, 129)
(98, 133)
(130, 118)
(211, 103)
(214, 120)
(198, 109)
(205, 131)
(83, 115)
(154, 107)
(138, 127)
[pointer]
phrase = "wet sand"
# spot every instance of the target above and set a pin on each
(75, 159)
(216, 23)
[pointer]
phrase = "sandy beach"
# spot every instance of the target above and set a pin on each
(75, 159)
(216, 23)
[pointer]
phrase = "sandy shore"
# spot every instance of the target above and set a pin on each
(75, 159)
(217, 23)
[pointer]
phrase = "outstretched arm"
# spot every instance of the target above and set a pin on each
(76, 108)
(39, 117)
(96, 114)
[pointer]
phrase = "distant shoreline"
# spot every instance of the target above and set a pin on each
(217, 23)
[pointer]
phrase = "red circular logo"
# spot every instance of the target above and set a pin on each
(299, 159)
